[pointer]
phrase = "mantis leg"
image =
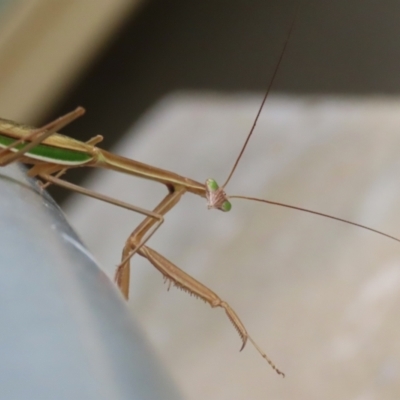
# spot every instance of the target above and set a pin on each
(187, 283)
(70, 186)
(156, 218)
(140, 236)
(44, 168)
(37, 136)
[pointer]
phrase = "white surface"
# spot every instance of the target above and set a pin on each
(320, 297)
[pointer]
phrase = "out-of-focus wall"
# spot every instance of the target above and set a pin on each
(44, 44)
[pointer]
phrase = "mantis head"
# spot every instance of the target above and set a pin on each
(216, 196)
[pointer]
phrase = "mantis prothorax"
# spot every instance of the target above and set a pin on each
(51, 154)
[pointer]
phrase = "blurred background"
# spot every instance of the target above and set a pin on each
(177, 84)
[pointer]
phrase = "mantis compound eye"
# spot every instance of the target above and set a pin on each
(226, 206)
(212, 185)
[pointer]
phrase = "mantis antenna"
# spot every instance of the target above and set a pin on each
(216, 191)
(264, 99)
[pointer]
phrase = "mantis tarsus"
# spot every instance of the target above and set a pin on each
(52, 154)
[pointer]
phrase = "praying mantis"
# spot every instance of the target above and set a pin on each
(52, 154)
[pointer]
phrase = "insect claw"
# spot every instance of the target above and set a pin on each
(244, 344)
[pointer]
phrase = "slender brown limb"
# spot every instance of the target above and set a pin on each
(44, 168)
(99, 196)
(153, 221)
(140, 236)
(183, 281)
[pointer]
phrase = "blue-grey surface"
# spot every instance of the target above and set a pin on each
(65, 331)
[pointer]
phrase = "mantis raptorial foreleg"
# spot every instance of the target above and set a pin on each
(187, 283)
(136, 239)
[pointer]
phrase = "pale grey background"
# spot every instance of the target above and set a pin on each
(319, 296)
